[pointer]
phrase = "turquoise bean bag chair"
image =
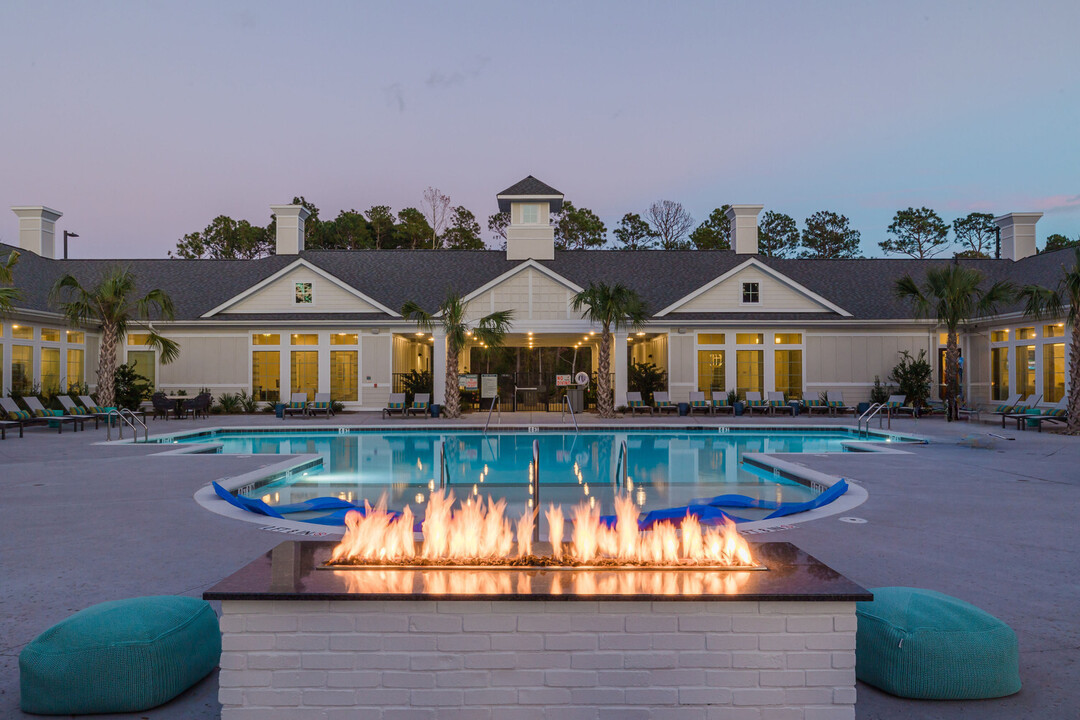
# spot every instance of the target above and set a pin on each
(120, 656)
(922, 644)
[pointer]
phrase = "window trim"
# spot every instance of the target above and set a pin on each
(754, 292)
(297, 291)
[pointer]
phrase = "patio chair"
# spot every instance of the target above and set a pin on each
(894, 405)
(5, 425)
(837, 404)
(754, 402)
(1006, 407)
(1023, 410)
(163, 406)
(396, 405)
(1056, 413)
(635, 403)
(698, 402)
(968, 412)
(297, 405)
(421, 404)
(817, 405)
(777, 401)
(321, 404)
(663, 403)
(720, 404)
(24, 418)
(72, 409)
(94, 409)
(54, 416)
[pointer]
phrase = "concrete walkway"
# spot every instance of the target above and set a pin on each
(81, 523)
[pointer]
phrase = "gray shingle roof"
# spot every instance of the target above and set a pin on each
(530, 186)
(861, 287)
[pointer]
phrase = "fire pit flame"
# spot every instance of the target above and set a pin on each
(479, 533)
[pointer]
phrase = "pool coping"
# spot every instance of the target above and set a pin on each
(768, 462)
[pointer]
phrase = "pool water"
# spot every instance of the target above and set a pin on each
(665, 469)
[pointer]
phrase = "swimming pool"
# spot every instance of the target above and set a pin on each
(665, 468)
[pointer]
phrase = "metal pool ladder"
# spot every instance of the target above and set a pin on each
(874, 409)
(444, 467)
(129, 418)
(495, 403)
(622, 463)
(567, 406)
(534, 489)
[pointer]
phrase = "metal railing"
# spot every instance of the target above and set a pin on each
(129, 418)
(622, 462)
(534, 489)
(567, 406)
(868, 415)
(495, 403)
(444, 467)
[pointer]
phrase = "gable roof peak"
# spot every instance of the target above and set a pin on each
(530, 186)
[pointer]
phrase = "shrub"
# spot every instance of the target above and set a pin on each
(646, 378)
(416, 382)
(247, 402)
(879, 393)
(337, 406)
(131, 388)
(732, 398)
(912, 377)
(229, 403)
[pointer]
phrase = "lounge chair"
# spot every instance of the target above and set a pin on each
(421, 405)
(778, 402)
(698, 402)
(754, 402)
(1024, 408)
(817, 405)
(663, 403)
(298, 405)
(5, 425)
(98, 411)
(1007, 406)
(837, 404)
(24, 418)
(396, 404)
(321, 404)
(72, 409)
(894, 405)
(1056, 413)
(54, 416)
(720, 404)
(635, 403)
(966, 412)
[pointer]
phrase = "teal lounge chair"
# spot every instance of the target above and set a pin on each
(663, 403)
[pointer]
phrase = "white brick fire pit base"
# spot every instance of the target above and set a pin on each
(517, 660)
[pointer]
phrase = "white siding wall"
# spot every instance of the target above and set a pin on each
(280, 297)
(774, 296)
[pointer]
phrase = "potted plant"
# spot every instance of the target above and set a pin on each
(734, 402)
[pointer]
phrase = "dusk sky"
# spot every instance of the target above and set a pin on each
(142, 121)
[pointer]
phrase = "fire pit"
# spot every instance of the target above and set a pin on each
(480, 614)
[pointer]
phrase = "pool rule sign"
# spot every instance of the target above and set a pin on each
(489, 386)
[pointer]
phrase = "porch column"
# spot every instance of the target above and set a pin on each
(438, 367)
(618, 362)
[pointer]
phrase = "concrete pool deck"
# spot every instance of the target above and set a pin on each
(82, 522)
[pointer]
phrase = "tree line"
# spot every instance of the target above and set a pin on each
(664, 225)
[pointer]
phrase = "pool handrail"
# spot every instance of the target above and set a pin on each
(566, 405)
(494, 403)
(534, 480)
(623, 462)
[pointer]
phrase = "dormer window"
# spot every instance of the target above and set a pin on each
(530, 214)
(750, 294)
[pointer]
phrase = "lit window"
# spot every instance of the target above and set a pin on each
(788, 372)
(22, 332)
(74, 368)
(138, 338)
(710, 339)
(999, 336)
(749, 339)
(788, 339)
(1057, 330)
(530, 214)
(75, 337)
(712, 374)
(305, 293)
(50, 370)
(50, 335)
(750, 292)
(343, 339)
(1027, 333)
(305, 339)
(266, 339)
(343, 375)
(305, 372)
(266, 375)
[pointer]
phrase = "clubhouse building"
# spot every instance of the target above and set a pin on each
(329, 320)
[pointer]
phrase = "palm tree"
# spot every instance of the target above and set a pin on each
(113, 304)
(8, 295)
(951, 294)
(451, 318)
(613, 307)
(1064, 300)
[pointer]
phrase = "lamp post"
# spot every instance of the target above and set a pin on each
(66, 236)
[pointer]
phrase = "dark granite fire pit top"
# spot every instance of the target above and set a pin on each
(291, 572)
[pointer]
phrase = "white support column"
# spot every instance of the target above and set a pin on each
(324, 362)
(618, 363)
(438, 367)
